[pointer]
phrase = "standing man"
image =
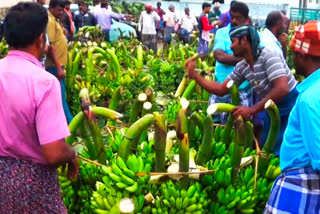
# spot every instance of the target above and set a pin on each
(216, 13)
(274, 36)
(57, 39)
(83, 17)
(297, 189)
(161, 13)
(204, 29)
(170, 20)
(66, 19)
(33, 125)
(187, 24)
(267, 73)
(225, 17)
(104, 18)
(147, 27)
(226, 61)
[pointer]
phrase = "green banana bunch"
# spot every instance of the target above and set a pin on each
(171, 111)
(174, 200)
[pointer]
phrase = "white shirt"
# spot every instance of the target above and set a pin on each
(269, 40)
(170, 18)
(188, 22)
(148, 21)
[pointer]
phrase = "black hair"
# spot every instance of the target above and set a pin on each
(205, 4)
(274, 18)
(24, 23)
(104, 3)
(240, 7)
(56, 3)
(66, 2)
(158, 3)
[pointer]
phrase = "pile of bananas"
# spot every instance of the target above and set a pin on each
(174, 200)
(171, 111)
(4, 48)
(90, 33)
(123, 174)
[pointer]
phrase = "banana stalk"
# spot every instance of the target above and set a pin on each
(114, 101)
(199, 120)
(133, 132)
(181, 87)
(219, 108)
(139, 63)
(137, 107)
(205, 149)
(160, 141)
(249, 134)
(183, 142)
(189, 90)
(239, 138)
(146, 109)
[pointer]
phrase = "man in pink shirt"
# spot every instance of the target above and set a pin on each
(32, 122)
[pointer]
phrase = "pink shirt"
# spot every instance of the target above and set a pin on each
(31, 112)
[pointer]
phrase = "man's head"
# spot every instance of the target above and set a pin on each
(95, 2)
(171, 7)
(84, 7)
(305, 46)
(275, 22)
(284, 12)
(216, 6)
(206, 7)
(25, 26)
(56, 8)
(187, 11)
(239, 12)
(67, 4)
(148, 8)
(244, 39)
(104, 3)
(158, 4)
(42, 2)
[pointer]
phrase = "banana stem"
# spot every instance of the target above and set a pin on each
(160, 142)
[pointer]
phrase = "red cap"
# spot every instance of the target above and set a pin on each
(148, 6)
(306, 39)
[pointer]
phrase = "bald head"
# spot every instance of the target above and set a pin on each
(275, 22)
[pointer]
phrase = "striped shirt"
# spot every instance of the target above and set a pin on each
(269, 66)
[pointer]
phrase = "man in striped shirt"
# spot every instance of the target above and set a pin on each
(267, 73)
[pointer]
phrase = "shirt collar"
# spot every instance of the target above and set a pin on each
(52, 16)
(270, 35)
(26, 56)
(310, 80)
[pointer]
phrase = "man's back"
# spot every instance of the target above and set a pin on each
(31, 96)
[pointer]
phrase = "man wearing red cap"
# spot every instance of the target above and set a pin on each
(297, 190)
(147, 27)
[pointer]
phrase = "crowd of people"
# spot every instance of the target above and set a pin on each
(34, 118)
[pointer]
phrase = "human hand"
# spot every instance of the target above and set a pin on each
(283, 38)
(245, 112)
(190, 67)
(73, 168)
(61, 73)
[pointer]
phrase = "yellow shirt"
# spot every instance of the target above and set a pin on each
(58, 40)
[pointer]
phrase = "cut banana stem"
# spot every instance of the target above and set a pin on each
(184, 103)
(160, 142)
(219, 108)
(142, 97)
(181, 87)
(147, 108)
(171, 135)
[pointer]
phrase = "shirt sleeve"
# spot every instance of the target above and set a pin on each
(219, 41)
(236, 75)
(205, 23)
(117, 16)
(51, 31)
(50, 119)
(275, 66)
(309, 113)
(195, 23)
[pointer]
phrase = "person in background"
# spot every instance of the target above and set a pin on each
(33, 125)
(83, 17)
(226, 61)
(225, 17)
(161, 13)
(204, 29)
(170, 20)
(216, 13)
(267, 73)
(104, 18)
(41, 2)
(297, 189)
(147, 26)
(287, 20)
(188, 23)
(57, 39)
(97, 6)
(274, 36)
(66, 19)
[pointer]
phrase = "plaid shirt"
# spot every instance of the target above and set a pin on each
(245, 100)
(295, 191)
